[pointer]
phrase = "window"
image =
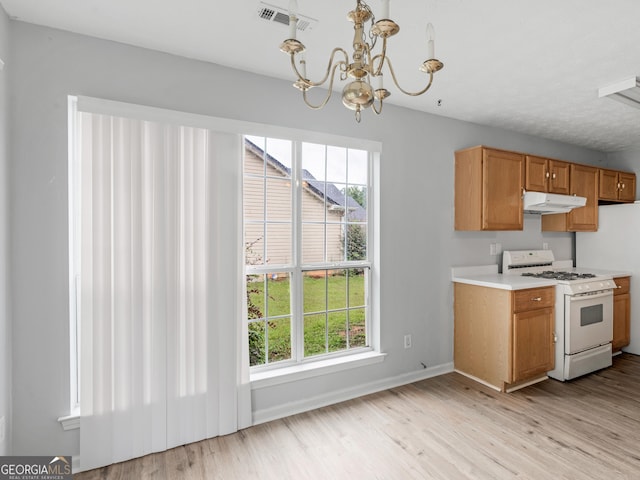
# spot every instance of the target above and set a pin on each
(307, 256)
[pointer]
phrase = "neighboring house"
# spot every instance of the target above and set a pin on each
(323, 205)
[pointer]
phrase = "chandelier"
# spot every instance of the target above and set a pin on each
(363, 67)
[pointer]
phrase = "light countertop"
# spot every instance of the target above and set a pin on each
(488, 276)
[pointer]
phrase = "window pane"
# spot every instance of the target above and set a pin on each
(312, 243)
(337, 330)
(356, 242)
(254, 243)
(278, 244)
(336, 164)
(356, 203)
(279, 339)
(313, 161)
(357, 328)
(313, 201)
(335, 242)
(357, 287)
(315, 291)
(278, 294)
(255, 296)
(253, 198)
(337, 290)
(315, 334)
(278, 157)
(278, 199)
(257, 345)
(357, 166)
(253, 154)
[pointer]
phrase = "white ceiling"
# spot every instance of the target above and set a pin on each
(529, 66)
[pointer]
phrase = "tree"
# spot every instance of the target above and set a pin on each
(358, 194)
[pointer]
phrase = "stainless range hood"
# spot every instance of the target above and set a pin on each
(544, 203)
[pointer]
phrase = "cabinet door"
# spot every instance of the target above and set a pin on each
(627, 182)
(533, 347)
(502, 184)
(607, 184)
(584, 183)
(621, 314)
(621, 321)
(560, 175)
(536, 174)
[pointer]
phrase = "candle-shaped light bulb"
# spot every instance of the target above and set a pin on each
(379, 82)
(293, 18)
(385, 9)
(431, 35)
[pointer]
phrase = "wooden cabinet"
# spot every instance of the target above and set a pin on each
(621, 314)
(546, 175)
(615, 186)
(584, 183)
(503, 338)
(488, 189)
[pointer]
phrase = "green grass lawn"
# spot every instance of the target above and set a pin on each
(341, 327)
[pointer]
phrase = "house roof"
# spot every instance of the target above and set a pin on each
(335, 198)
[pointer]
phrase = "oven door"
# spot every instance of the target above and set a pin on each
(588, 320)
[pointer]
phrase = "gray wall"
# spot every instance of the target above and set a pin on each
(5, 330)
(628, 160)
(418, 244)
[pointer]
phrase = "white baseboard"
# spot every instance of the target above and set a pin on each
(293, 408)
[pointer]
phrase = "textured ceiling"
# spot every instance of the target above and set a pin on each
(533, 67)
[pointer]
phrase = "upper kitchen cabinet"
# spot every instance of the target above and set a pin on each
(615, 186)
(488, 189)
(584, 183)
(546, 175)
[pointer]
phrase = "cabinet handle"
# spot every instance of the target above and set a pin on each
(555, 338)
(553, 176)
(618, 286)
(622, 188)
(536, 299)
(547, 175)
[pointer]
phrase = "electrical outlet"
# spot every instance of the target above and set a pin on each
(407, 341)
(545, 246)
(492, 249)
(3, 427)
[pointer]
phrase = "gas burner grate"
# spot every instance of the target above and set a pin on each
(559, 275)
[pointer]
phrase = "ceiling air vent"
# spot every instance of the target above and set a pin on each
(273, 13)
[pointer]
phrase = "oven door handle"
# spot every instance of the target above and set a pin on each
(582, 296)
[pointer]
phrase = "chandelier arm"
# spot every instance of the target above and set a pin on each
(395, 81)
(318, 107)
(331, 59)
(382, 57)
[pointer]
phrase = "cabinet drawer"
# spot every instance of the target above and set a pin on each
(533, 298)
(623, 285)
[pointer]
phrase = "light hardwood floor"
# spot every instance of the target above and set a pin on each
(448, 427)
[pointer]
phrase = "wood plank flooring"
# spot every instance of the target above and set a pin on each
(448, 427)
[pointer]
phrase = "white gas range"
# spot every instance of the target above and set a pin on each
(583, 310)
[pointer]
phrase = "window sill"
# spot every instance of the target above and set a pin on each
(313, 369)
(70, 422)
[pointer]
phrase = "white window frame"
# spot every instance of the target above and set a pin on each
(299, 365)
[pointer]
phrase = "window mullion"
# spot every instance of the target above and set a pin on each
(297, 293)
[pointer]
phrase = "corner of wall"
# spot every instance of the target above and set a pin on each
(5, 323)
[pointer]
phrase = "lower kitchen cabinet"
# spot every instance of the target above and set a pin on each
(621, 314)
(503, 338)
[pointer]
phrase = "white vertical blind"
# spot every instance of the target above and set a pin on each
(153, 374)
